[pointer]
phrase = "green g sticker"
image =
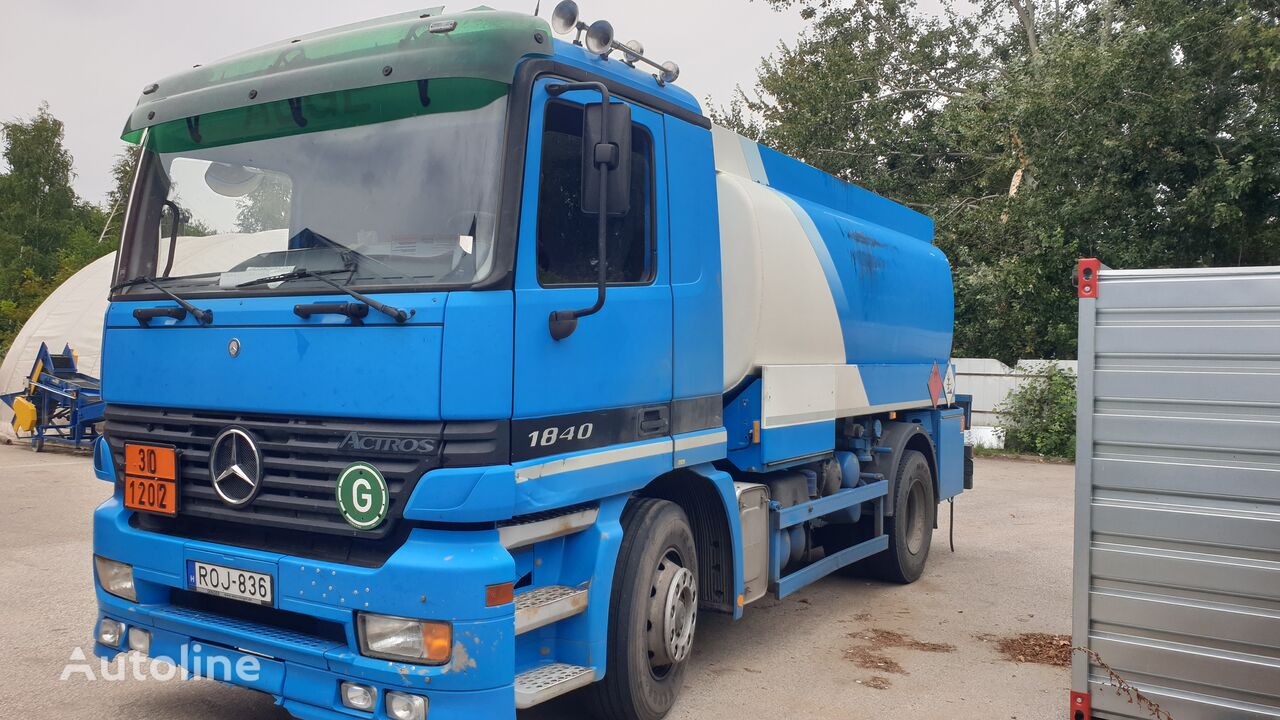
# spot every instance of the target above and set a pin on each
(362, 496)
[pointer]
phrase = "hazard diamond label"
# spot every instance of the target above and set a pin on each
(936, 386)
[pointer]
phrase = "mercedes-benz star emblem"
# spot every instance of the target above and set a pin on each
(235, 465)
(233, 347)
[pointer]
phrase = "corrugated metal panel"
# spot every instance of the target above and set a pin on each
(1177, 563)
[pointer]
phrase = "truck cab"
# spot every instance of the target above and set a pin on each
(445, 426)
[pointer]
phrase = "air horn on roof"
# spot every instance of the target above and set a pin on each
(599, 40)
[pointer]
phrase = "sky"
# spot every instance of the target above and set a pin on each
(90, 60)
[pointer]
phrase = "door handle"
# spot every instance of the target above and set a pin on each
(357, 311)
(146, 315)
(653, 421)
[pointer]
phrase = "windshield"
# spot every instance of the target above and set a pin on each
(389, 187)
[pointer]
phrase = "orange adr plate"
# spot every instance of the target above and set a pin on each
(151, 495)
(150, 461)
(151, 479)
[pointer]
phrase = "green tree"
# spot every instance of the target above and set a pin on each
(37, 203)
(123, 171)
(1040, 416)
(1145, 133)
(861, 94)
(46, 231)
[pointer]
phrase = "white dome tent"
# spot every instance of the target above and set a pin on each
(73, 313)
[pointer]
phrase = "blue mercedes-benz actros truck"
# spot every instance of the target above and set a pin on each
(490, 364)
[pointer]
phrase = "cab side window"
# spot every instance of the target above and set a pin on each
(567, 237)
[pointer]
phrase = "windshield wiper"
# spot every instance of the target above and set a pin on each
(164, 278)
(146, 315)
(394, 313)
(350, 256)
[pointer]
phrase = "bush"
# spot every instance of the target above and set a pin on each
(1040, 416)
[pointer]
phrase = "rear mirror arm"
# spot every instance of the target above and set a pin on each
(175, 221)
(562, 323)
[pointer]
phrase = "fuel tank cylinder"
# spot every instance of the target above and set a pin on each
(820, 271)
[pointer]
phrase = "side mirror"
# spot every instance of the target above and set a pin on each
(606, 150)
(606, 185)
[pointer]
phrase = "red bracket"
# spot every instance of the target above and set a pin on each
(1087, 277)
(1081, 708)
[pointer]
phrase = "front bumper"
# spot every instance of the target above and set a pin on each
(437, 575)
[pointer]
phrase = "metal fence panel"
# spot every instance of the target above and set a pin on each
(1177, 543)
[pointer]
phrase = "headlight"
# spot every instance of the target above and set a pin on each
(359, 697)
(403, 706)
(110, 632)
(424, 642)
(140, 640)
(116, 578)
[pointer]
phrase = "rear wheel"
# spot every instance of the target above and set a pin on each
(910, 530)
(654, 612)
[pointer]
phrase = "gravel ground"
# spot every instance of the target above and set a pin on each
(843, 648)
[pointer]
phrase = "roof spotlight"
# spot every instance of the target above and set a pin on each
(670, 71)
(564, 18)
(632, 52)
(600, 37)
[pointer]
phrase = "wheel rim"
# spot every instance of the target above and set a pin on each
(673, 613)
(915, 519)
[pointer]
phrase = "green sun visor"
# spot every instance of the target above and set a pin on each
(324, 111)
(372, 67)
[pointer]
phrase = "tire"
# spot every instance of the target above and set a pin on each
(657, 558)
(910, 530)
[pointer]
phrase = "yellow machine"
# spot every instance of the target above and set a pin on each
(24, 415)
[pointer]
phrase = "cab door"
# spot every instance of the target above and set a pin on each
(609, 381)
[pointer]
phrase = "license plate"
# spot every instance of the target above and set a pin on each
(151, 479)
(230, 582)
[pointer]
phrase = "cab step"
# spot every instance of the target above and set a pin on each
(530, 529)
(549, 681)
(545, 605)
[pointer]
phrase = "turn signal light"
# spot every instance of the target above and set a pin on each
(500, 594)
(437, 641)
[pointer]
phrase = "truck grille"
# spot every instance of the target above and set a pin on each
(301, 460)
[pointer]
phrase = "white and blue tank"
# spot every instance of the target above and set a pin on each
(837, 293)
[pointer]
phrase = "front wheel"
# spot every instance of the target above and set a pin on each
(654, 610)
(910, 530)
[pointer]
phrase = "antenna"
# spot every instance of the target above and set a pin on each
(537, 7)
